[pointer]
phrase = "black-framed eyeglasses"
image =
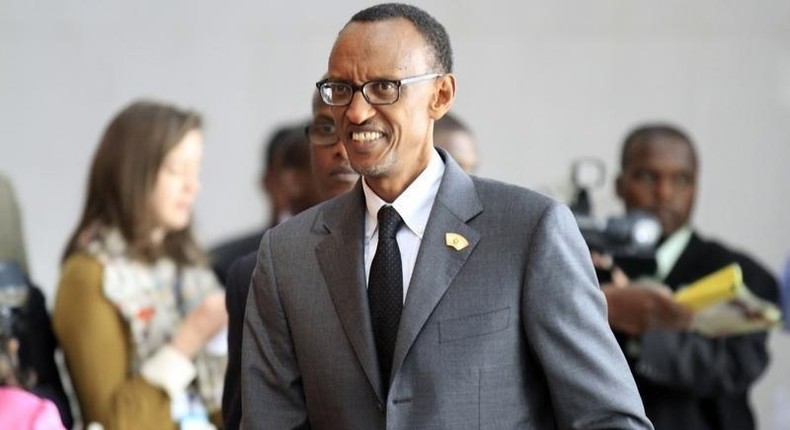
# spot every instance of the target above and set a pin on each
(321, 134)
(379, 92)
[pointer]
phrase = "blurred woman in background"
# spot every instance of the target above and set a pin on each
(137, 306)
(24, 318)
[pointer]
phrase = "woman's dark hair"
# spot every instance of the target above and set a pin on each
(122, 177)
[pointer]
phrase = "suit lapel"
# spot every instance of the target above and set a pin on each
(687, 262)
(438, 263)
(340, 256)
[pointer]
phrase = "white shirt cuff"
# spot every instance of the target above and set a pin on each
(169, 370)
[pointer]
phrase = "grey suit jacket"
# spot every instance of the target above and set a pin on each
(507, 333)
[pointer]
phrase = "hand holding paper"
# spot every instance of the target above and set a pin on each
(724, 305)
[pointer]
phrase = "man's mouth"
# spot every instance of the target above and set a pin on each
(366, 136)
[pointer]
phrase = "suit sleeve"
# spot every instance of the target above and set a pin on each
(704, 366)
(95, 344)
(235, 302)
(272, 392)
(564, 314)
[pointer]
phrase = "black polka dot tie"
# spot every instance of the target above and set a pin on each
(385, 290)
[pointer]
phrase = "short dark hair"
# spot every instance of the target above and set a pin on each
(450, 122)
(430, 29)
(296, 148)
(280, 142)
(650, 131)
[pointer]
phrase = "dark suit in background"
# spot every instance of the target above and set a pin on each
(688, 381)
(236, 291)
(225, 255)
(288, 182)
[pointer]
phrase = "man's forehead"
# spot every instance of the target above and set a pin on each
(379, 49)
(662, 149)
(381, 31)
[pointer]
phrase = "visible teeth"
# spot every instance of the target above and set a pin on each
(365, 136)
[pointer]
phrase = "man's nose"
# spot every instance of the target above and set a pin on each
(665, 190)
(359, 110)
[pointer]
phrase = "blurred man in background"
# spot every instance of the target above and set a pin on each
(686, 380)
(333, 176)
(288, 183)
(455, 137)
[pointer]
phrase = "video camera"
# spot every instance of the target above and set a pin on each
(629, 239)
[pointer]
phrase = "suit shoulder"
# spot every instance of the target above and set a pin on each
(238, 246)
(226, 253)
(298, 224)
(737, 255)
(755, 275)
(500, 195)
(759, 279)
(310, 222)
(242, 268)
(246, 261)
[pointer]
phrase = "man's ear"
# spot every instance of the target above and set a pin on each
(443, 97)
(268, 182)
(290, 183)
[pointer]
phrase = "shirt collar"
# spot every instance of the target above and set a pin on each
(413, 204)
(669, 252)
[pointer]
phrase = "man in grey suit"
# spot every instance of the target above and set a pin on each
(499, 323)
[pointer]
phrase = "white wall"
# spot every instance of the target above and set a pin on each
(541, 82)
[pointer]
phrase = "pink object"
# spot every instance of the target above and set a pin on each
(21, 410)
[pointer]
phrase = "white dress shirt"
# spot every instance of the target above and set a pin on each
(414, 206)
(668, 253)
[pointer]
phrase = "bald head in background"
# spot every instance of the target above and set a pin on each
(455, 137)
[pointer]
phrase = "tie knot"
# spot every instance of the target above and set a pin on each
(389, 222)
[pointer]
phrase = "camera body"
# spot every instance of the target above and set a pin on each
(629, 239)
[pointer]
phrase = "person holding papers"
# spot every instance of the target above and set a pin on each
(687, 380)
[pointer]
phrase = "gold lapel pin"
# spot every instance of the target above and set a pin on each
(456, 241)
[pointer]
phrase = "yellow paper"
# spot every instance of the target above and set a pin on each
(723, 305)
(718, 286)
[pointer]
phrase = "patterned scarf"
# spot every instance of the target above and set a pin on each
(153, 299)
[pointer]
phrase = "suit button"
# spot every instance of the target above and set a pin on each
(380, 407)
